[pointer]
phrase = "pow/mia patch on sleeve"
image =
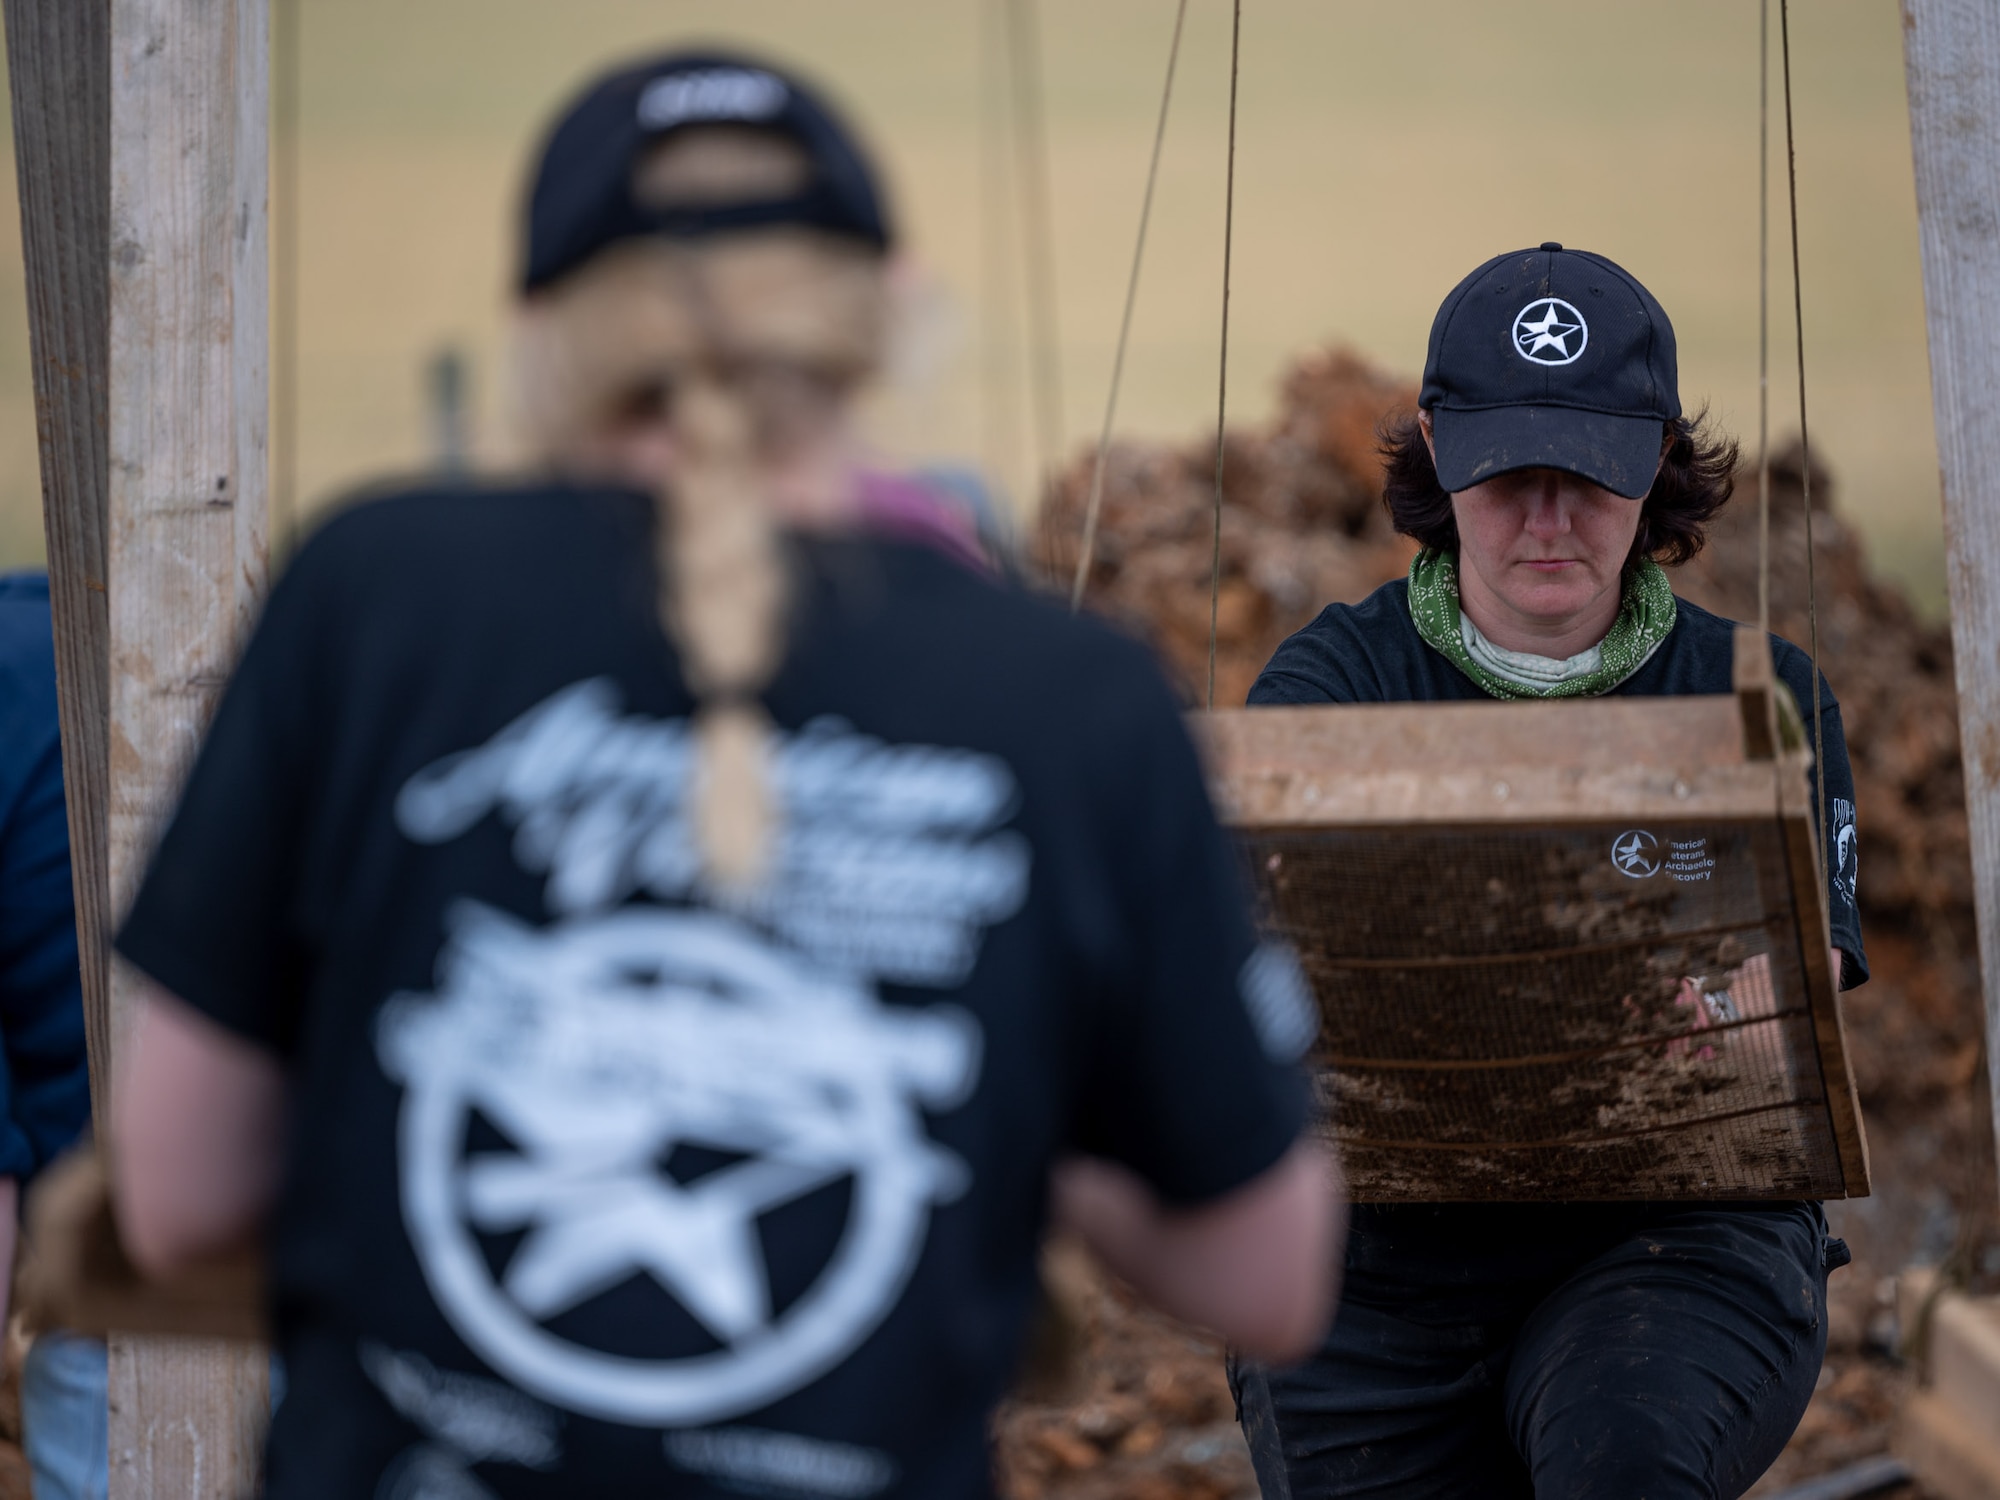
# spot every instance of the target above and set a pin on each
(1279, 1001)
(1846, 852)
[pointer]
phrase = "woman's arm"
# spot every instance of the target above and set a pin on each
(1259, 1266)
(198, 1136)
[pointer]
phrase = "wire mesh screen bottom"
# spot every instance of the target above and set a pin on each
(1556, 1013)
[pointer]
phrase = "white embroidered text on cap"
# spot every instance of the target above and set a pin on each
(710, 94)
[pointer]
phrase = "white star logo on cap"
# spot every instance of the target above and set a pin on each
(1547, 340)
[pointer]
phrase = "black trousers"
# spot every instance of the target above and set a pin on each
(1560, 1352)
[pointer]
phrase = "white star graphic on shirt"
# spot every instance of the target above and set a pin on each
(560, 1077)
(1551, 333)
(598, 1047)
(593, 1227)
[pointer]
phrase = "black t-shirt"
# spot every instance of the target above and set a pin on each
(603, 1182)
(1371, 653)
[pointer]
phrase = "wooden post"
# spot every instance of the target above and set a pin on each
(188, 563)
(1951, 54)
(143, 237)
(59, 70)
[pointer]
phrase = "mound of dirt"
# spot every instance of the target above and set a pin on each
(1302, 526)
(1145, 1413)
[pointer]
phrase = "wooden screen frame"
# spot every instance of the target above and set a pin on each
(1737, 757)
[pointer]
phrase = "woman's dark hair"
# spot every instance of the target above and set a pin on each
(1694, 482)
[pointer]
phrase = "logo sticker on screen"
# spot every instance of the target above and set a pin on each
(1636, 853)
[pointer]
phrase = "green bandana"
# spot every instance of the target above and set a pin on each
(1645, 619)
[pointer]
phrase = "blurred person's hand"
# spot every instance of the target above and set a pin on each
(197, 1148)
(1260, 1266)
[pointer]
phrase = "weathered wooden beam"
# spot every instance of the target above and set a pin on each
(1951, 54)
(1484, 763)
(1950, 1429)
(188, 562)
(59, 71)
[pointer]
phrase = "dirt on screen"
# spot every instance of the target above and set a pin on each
(1303, 526)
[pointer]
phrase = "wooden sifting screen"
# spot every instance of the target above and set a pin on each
(1570, 950)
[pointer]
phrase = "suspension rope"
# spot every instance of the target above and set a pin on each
(1125, 324)
(1222, 377)
(1805, 446)
(1024, 53)
(1000, 372)
(1764, 317)
(282, 533)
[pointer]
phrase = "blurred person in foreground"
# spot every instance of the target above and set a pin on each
(44, 1066)
(649, 948)
(1565, 1351)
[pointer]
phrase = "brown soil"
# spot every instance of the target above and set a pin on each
(1302, 526)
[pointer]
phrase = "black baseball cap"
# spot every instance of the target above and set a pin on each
(582, 198)
(1551, 358)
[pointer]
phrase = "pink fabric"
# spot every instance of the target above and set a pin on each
(894, 506)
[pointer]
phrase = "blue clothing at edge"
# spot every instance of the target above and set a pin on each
(44, 1072)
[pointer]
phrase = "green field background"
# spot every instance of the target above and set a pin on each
(1383, 150)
